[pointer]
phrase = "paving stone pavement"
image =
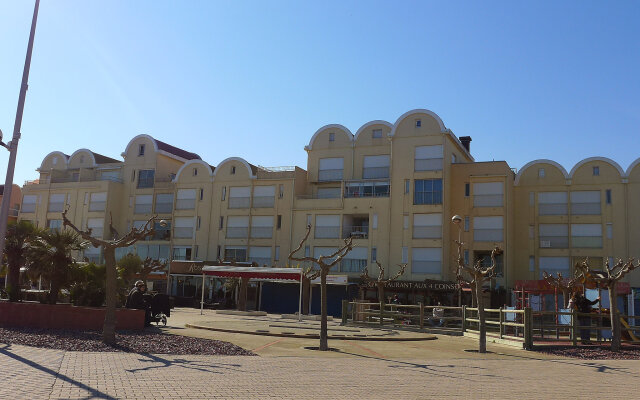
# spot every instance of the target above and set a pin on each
(30, 373)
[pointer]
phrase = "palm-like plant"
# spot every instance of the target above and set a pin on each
(20, 236)
(50, 257)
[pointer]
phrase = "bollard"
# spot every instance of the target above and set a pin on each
(421, 315)
(345, 311)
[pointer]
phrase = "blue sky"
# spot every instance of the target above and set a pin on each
(526, 80)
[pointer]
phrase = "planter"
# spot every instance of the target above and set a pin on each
(63, 316)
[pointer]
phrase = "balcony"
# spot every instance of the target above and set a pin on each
(264, 201)
(375, 173)
(554, 242)
(355, 231)
(487, 200)
(235, 232)
(239, 202)
(352, 265)
(354, 189)
(330, 175)
(261, 232)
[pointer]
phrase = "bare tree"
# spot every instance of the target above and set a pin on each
(325, 263)
(609, 278)
(109, 248)
(380, 283)
(478, 274)
(566, 286)
(150, 265)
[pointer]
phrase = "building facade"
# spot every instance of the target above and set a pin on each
(392, 187)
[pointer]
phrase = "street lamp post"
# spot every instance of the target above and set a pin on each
(12, 146)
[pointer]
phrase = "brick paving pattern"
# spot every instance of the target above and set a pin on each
(30, 373)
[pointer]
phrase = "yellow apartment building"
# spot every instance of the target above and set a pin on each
(392, 187)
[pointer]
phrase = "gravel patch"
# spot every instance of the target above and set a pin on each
(627, 352)
(148, 341)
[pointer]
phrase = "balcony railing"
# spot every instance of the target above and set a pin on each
(487, 235)
(553, 209)
(366, 189)
(487, 200)
(586, 242)
(585, 208)
(375, 173)
(239, 202)
(427, 232)
(327, 232)
(429, 164)
(554, 242)
(352, 265)
(237, 232)
(426, 267)
(328, 175)
(263, 201)
(356, 232)
(259, 232)
(75, 178)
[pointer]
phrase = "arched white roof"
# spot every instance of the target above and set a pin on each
(602, 159)
(61, 154)
(80, 150)
(330, 126)
(242, 160)
(632, 166)
(418, 111)
(191, 162)
(371, 123)
(541, 161)
(155, 145)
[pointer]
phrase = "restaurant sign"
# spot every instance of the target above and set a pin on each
(420, 285)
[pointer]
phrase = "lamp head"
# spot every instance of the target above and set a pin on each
(163, 223)
(456, 219)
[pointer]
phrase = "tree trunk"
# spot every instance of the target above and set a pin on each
(109, 326)
(13, 282)
(324, 345)
(53, 291)
(242, 295)
(381, 292)
(482, 328)
(615, 319)
(306, 291)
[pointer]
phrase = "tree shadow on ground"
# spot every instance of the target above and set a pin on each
(5, 349)
(202, 366)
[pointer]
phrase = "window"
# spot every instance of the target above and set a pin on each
(376, 167)
(427, 191)
(186, 199)
(596, 171)
(427, 226)
(195, 172)
(235, 253)
(374, 222)
(454, 159)
(466, 256)
(405, 222)
(276, 255)
(332, 137)
(553, 265)
(418, 123)
(224, 193)
(237, 226)
(428, 158)
(553, 203)
(376, 133)
(233, 171)
(55, 160)
(280, 191)
(183, 227)
(426, 260)
(609, 230)
(133, 175)
(608, 196)
(307, 251)
(262, 226)
(201, 194)
(239, 197)
(327, 226)
(329, 193)
(145, 178)
(407, 185)
(198, 222)
(585, 203)
(180, 253)
(532, 263)
(28, 203)
(553, 236)
(141, 150)
(488, 194)
(86, 198)
(405, 254)
(279, 223)
(260, 255)
(586, 236)
(308, 219)
(540, 172)
(54, 224)
(81, 159)
(98, 201)
(264, 196)
(164, 203)
(366, 188)
(466, 223)
(218, 251)
(56, 202)
(374, 254)
(355, 260)
(487, 229)
(162, 232)
(221, 223)
(467, 190)
(330, 169)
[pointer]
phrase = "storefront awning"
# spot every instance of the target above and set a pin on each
(292, 274)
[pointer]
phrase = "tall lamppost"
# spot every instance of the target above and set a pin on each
(12, 146)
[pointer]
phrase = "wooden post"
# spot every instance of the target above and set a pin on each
(345, 311)
(501, 323)
(464, 318)
(421, 315)
(381, 313)
(528, 328)
(574, 327)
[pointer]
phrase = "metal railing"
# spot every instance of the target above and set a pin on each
(356, 232)
(487, 200)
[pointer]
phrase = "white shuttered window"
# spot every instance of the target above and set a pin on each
(183, 227)
(426, 260)
(428, 158)
(330, 169)
(427, 226)
(98, 201)
(238, 226)
(239, 197)
(327, 226)
(375, 167)
(261, 226)
(488, 194)
(488, 229)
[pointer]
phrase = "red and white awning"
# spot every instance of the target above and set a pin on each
(227, 271)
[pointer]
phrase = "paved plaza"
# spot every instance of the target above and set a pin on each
(284, 369)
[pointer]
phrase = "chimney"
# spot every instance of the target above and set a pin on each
(466, 142)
